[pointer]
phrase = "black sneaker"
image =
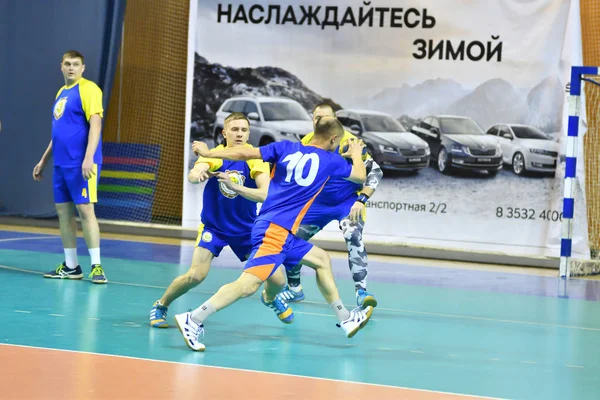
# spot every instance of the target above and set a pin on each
(63, 272)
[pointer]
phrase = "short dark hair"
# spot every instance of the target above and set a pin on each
(73, 54)
(323, 105)
(327, 127)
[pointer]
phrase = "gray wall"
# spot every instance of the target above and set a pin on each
(33, 36)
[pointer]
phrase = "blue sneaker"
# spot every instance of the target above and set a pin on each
(63, 272)
(97, 274)
(289, 295)
(158, 316)
(282, 309)
(365, 299)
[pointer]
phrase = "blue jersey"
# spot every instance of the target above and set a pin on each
(337, 190)
(73, 107)
(223, 210)
(299, 174)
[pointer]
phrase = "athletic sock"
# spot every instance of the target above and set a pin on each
(201, 313)
(341, 311)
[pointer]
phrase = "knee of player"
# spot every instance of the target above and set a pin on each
(249, 288)
(63, 210)
(196, 275)
(279, 277)
(324, 259)
(86, 212)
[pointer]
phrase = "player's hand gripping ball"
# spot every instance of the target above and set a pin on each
(344, 148)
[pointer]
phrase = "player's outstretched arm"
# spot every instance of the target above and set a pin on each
(230, 153)
(199, 173)
(257, 195)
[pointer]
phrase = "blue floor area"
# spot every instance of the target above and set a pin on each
(464, 331)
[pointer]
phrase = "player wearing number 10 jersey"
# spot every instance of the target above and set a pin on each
(300, 172)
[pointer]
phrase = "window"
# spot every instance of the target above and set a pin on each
(493, 131)
(284, 111)
(353, 120)
(503, 131)
(528, 132)
(238, 106)
(381, 123)
(250, 107)
(228, 106)
(460, 126)
(343, 120)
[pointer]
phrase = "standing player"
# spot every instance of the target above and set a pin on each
(341, 201)
(77, 150)
(299, 174)
(228, 213)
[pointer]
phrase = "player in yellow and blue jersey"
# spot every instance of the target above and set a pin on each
(345, 202)
(229, 209)
(299, 174)
(76, 147)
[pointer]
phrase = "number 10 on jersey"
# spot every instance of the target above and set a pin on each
(297, 163)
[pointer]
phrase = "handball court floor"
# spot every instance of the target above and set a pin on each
(442, 330)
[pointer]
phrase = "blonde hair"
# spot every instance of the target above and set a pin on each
(234, 116)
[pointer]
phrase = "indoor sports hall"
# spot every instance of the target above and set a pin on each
(482, 235)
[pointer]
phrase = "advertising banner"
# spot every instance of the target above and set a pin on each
(461, 103)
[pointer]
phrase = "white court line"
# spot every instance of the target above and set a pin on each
(29, 238)
(252, 371)
(379, 309)
(315, 314)
(24, 312)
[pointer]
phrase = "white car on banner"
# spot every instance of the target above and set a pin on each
(459, 143)
(387, 140)
(526, 148)
(272, 119)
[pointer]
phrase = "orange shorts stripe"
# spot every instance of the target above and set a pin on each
(305, 210)
(273, 241)
(262, 272)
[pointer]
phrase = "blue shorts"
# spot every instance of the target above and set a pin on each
(71, 187)
(320, 214)
(273, 245)
(214, 242)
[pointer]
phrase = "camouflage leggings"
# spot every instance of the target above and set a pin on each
(357, 254)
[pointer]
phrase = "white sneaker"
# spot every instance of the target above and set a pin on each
(191, 331)
(358, 319)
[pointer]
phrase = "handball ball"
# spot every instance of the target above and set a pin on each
(344, 148)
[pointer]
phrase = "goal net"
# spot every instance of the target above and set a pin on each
(144, 133)
(583, 169)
